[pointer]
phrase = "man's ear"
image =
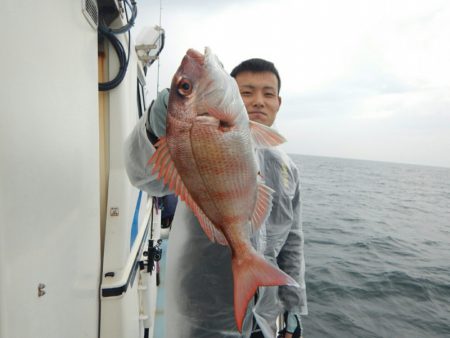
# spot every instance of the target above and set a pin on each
(279, 100)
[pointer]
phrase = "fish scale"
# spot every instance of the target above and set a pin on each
(219, 176)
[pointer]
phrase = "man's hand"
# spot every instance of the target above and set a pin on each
(289, 335)
(293, 326)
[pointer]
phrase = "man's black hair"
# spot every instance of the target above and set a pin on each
(256, 66)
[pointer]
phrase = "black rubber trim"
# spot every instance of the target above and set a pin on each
(119, 290)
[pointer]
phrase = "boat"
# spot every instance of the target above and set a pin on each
(79, 245)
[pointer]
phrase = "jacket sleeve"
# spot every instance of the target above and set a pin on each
(137, 152)
(291, 259)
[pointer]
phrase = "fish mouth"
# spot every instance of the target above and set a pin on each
(208, 52)
(211, 58)
(196, 56)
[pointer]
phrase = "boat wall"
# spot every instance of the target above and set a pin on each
(128, 292)
(49, 169)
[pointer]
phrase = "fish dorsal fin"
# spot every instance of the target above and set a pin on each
(264, 136)
(165, 167)
(263, 206)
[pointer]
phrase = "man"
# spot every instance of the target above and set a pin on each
(259, 84)
(199, 287)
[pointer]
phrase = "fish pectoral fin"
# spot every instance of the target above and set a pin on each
(163, 164)
(165, 167)
(225, 118)
(264, 136)
(219, 114)
(263, 206)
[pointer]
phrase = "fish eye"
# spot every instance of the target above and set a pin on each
(184, 87)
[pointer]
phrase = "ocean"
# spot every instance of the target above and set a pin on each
(377, 248)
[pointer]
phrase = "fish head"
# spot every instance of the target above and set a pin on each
(203, 92)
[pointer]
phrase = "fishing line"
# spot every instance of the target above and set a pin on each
(159, 59)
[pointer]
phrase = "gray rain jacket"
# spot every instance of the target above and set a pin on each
(199, 285)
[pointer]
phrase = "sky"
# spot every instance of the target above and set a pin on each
(361, 79)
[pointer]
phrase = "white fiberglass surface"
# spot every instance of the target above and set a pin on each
(49, 169)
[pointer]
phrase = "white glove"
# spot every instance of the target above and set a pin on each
(293, 321)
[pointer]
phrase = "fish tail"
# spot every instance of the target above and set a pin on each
(249, 273)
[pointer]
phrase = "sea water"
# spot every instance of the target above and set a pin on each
(377, 248)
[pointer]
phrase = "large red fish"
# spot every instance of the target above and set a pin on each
(207, 157)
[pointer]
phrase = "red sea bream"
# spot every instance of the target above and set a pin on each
(207, 158)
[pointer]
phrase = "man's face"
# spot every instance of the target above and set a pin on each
(259, 92)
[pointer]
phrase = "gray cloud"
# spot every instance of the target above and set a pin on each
(202, 5)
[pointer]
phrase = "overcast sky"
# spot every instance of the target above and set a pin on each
(366, 79)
